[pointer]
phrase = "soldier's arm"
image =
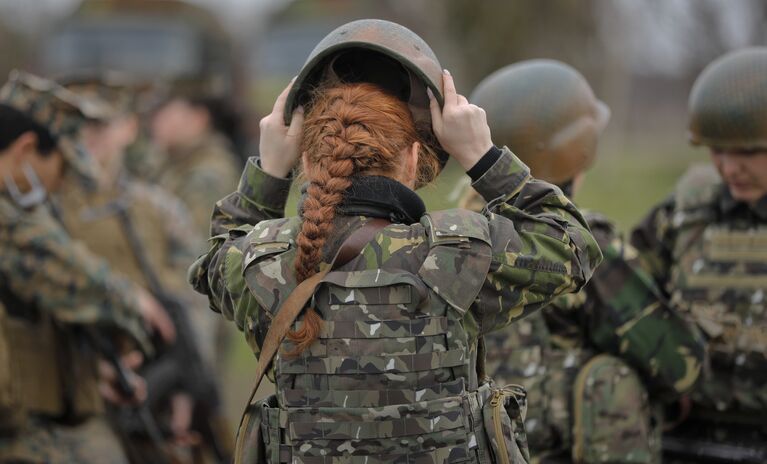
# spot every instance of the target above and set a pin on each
(218, 274)
(626, 316)
(542, 246)
(652, 238)
(43, 265)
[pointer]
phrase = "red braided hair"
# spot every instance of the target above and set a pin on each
(349, 129)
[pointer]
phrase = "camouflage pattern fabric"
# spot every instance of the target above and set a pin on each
(620, 312)
(393, 376)
(614, 421)
(43, 265)
(43, 442)
(60, 111)
(200, 175)
(707, 252)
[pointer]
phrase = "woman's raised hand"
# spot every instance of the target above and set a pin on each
(279, 144)
(460, 127)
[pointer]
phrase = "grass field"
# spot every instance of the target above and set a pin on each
(627, 179)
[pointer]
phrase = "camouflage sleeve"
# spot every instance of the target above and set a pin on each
(542, 246)
(218, 273)
(626, 316)
(652, 238)
(42, 264)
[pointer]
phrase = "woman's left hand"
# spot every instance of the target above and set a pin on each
(279, 144)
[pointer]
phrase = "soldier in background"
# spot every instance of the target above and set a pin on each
(595, 363)
(56, 298)
(196, 135)
(146, 234)
(707, 248)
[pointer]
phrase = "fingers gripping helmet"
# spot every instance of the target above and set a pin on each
(546, 113)
(728, 102)
(379, 52)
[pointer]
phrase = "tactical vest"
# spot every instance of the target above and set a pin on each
(719, 278)
(44, 370)
(92, 217)
(392, 377)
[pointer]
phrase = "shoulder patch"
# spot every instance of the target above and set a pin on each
(456, 224)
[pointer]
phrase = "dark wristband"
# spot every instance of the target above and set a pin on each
(484, 163)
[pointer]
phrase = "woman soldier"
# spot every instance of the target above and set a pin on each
(384, 303)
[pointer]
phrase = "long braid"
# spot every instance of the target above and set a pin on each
(350, 129)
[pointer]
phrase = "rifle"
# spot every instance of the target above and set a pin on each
(180, 366)
(701, 451)
(146, 422)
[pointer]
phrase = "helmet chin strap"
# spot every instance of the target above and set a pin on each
(36, 193)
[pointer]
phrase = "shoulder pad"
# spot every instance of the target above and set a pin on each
(459, 256)
(269, 254)
(698, 187)
(456, 224)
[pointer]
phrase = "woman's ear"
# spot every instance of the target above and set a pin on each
(412, 162)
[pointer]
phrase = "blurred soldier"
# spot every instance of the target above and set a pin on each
(57, 301)
(592, 362)
(196, 135)
(707, 247)
(146, 234)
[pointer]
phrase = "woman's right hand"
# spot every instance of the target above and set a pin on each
(279, 144)
(461, 127)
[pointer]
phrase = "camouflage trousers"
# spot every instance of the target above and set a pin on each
(43, 441)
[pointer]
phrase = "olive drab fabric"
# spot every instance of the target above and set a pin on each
(382, 52)
(394, 373)
(655, 354)
(708, 252)
(728, 102)
(546, 113)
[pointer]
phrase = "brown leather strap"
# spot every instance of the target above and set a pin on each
(292, 306)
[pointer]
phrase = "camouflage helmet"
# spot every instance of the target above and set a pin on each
(546, 113)
(377, 51)
(58, 110)
(728, 102)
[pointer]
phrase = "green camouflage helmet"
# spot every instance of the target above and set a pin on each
(546, 113)
(728, 102)
(58, 110)
(380, 52)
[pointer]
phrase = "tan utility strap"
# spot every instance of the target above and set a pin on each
(292, 306)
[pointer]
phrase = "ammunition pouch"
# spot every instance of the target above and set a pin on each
(613, 421)
(43, 372)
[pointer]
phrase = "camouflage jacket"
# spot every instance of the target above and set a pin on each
(200, 176)
(42, 265)
(706, 251)
(541, 247)
(620, 312)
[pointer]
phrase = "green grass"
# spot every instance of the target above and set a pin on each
(627, 179)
